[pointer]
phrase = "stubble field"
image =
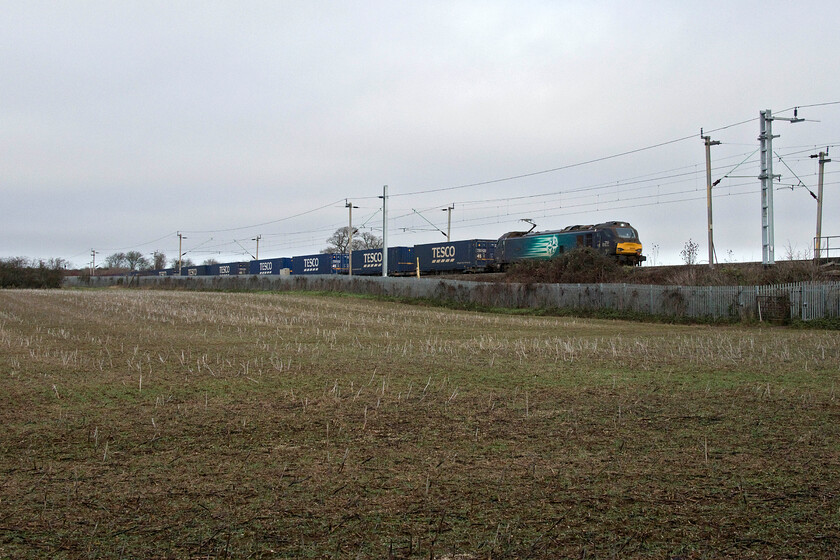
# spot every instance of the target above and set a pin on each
(144, 424)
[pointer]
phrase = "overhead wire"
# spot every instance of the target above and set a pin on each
(623, 184)
(638, 180)
(542, 172)
(277, 221)
(488, 182)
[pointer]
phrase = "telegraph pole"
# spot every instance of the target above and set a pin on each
(765, 138)
(384, 198)
(93, 262)
(817, 241)
(350, 207)
(709, 143)
(257, 239)
(180, 253)
(448, 210)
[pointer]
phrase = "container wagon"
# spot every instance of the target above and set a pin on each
(368, 262)
(200, 270)
(322, 263)
(228, 269)
(270, 266)
(474, 255)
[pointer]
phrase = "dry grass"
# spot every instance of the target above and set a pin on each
(145, 424)
(589, 266)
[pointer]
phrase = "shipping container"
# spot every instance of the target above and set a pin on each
(227, 269)
(155, 272)
(270, 266)
(369, 261)
(322, 263)
(474, 255)
(200, 270)
(341, 263)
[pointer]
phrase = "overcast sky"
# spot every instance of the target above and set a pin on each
(123, 123)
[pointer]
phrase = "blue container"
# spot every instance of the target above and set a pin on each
(341, 263)
(474, 255)
(155, 272)
(227, 269)
(369, 261)
(322, 263)
(270, 266)
(200, 270)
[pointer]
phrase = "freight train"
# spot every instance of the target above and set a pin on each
(616, 239)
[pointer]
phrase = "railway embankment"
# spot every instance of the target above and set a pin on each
(779, 303)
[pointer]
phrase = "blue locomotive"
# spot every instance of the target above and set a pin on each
(617, 239)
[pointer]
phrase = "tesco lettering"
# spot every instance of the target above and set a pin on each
(443, 252)
(373, 258)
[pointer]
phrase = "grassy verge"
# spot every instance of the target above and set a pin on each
(181, 424)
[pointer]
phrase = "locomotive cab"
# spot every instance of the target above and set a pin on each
(622, 240)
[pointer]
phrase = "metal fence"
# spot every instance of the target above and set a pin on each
(805, 301)
(778, 303)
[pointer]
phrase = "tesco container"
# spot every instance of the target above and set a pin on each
(227, 269)
(157, 272)
(200, 270)
(473, 255)
(369, 261)
(322, 263)
(270, 266)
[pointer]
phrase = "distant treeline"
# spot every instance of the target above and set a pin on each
(20, 272)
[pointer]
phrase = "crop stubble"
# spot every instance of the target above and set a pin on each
(171, 424)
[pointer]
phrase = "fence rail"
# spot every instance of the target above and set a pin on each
(805, 300)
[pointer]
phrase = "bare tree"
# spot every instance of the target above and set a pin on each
(654, 254)
(116, 260)
(185, 262)
(689, 252)
(339, 240)
(210, 261)
(57, 263)
(136, 261)
(791, 254)
(367, 240)
(159, 261)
